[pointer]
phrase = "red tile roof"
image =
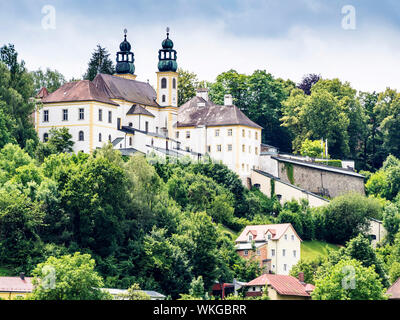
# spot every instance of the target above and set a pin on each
(43, 93)
(16, 284)
(277, 230)
(394, 290)
(284, 285)
(75, 91)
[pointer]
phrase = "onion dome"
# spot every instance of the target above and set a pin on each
(167, 56)
(125, 58)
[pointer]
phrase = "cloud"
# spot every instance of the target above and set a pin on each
(214, 36)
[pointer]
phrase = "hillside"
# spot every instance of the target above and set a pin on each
(312, 249)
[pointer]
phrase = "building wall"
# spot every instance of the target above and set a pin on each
(253, 255)
(287, 192)
(12, 295)
(316, 181)
(272, 293)
(378, 230)
(279, 260)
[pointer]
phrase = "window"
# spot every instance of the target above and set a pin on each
(100, 137)
(131, 124)
(284, 267)
(269, 237)
(163, 83)
(208, 149)
(243, 148)
(256, 135)
(174, 83)
(45, 137)
(229, 147)
(187, 134)
(285, 236)
(157, 130)
(246, 252)
(130, 141)
(284, 252)
(292, 237)
(164, 98)
(109, 138)
(81, 136)
(100, 115)
(230, 132)
(177, 135)
(81, 114)
(65, 115)
(217, 133)
(258, 252)
(187, 149)
(250, 237)
(46, 116)
(147, 126)
(219, 148)
(256, 151)
(109, 116)
(294, 253)
(273, 252)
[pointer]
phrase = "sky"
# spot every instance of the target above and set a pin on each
(288, 38)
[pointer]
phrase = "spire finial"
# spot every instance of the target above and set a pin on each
(168, 30)
(125, 32)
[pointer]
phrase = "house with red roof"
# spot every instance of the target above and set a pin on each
(13, 287)
(394, 291)
(277, 247)
(280, 287)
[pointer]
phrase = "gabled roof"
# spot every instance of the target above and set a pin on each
(75, 91)
(394, 290)
(126, 89)
(16, 284)
(284, 285)
(191, 114)
(43, 93)
(136, 110)
(277, 230)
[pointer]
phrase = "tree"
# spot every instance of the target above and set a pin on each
(99, 63)
(391, 222)
(187, 85)
(70, 277)
(307, 82)
(349, 280)
(360, 249)
(308, 268)
(134, 293)
(313, 149)
(51, 80)
(347, 216)
(61, 139)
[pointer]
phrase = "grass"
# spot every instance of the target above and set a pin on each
(312, 249)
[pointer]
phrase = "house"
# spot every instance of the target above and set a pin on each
(277, 247)
(116, 294)
(377, 231)
(394, 291)
(14, 287)
(280, 287)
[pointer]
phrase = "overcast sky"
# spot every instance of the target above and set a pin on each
(288, 38)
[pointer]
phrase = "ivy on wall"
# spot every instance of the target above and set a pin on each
(290, 172)
(272, 187)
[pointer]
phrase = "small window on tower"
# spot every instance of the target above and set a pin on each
(100, 137)
(163, 83)
(164, 98)
(81, 136)
(174, 83)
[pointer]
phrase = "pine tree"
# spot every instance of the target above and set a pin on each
(99, 63)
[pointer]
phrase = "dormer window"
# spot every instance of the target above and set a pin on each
(250, 237)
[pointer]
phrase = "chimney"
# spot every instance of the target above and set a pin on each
(202, 93)
(22, 276)
(301, 277)
(228, 100)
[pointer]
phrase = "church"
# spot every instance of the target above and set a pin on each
(136, 118)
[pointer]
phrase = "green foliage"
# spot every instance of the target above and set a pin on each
(391, 221)
(100, 62)
(51, 80)
(340, 284)
(347, 216)
(134, 293)
(289, 172)
(308, 267)
(188, 83)
(312, 149)
(68, 278)
(332, 163)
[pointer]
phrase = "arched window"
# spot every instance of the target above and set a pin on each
(81, 136)
(174, 83)
(109, 138)
(164, 98)
(45, 137)
(130, 141)
(163, 83)
(100, 137)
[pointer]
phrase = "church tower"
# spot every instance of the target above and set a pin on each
(125, 61)
(167, 77)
